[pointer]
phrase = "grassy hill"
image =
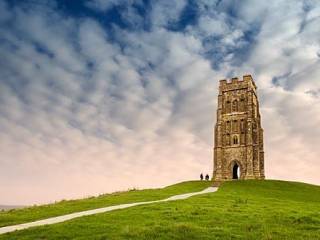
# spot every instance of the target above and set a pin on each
(17, 216)
(238, 210)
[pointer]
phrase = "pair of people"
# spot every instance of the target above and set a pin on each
(201, 177)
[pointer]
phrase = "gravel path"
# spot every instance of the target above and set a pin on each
(67, 217)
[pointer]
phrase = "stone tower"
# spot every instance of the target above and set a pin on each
(238, 135)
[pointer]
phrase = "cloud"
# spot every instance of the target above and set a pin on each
(87, 109)
(166, 12)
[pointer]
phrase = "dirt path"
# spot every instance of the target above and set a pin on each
(67, 217)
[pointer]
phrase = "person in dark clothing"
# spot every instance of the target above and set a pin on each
(207, 177)
(201, 176)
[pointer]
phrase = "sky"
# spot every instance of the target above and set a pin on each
(99, 96)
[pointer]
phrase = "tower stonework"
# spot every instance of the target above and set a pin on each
(238, 135)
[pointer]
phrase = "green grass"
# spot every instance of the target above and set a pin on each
(239, 210)
(64, 207)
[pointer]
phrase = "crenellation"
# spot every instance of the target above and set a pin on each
(234, 80)
(223, 81)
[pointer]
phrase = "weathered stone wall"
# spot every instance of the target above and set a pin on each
(238, 133)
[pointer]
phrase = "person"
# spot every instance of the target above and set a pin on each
(207, 177)
(201, 176)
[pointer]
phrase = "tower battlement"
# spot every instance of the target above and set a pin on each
(238, 137)
(245, 78)
(236, 83)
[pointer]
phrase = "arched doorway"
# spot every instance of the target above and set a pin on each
(235, 171)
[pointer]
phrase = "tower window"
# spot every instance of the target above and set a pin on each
(235, 106)
(235, 140)
(228, 107)
(241, 105)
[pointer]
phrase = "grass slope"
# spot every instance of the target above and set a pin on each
(239, 210)
(17, 216)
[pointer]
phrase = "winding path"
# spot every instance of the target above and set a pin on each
(67, 217)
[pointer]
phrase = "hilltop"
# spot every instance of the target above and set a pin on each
(251, 209)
